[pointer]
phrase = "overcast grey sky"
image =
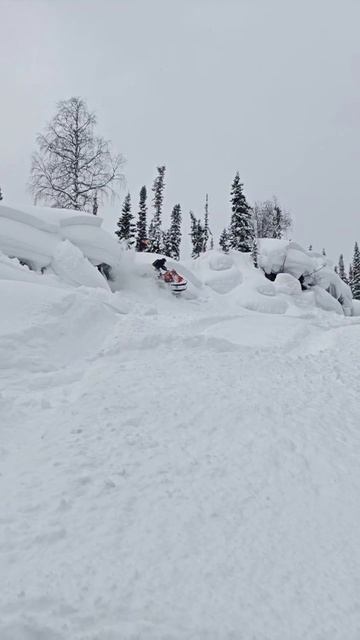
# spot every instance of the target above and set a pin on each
(267, 87)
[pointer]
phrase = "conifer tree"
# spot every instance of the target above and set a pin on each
(1, 195)
(206, 224)
(241, 224)
(197, 236)
(255, 254)
(355, 281)
(174, 233)
(336, 269)
(324, 252)
(125, 224)
(155, 235)
(341, 270)
(277, 222)
(141, 230)
(224, 241)
(95, 204)
(165, 243)
(310, 247)
(350, 276)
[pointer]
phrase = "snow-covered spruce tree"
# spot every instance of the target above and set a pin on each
(341, 270)
(336, 269)
(310, 247)
(277, 222)
(224, 241)
(125, 224)
(165, 243)
(208, 236)
(206, 225)
(72, 163)
(141, 230)
(351, 275)
(155, 236)
(255, 254)
(355, 282)
(174, 233)
(95, 207)
(196, 235)
(241, 224)
(1, 195)
(324, 252)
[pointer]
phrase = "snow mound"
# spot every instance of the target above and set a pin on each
(326, 301)
(280, 256)
(72, 267)
(252, 300)
(217, 271)
(287, 284)
(26, 241)
(33, 233)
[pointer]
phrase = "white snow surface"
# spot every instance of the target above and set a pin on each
(176, 468)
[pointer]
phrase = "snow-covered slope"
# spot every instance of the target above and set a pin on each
(176, 468)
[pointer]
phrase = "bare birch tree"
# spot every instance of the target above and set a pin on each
(73, 165)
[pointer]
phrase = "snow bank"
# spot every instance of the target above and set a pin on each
(276, 256)
(33, 233)
(19, 239)
(53, 216)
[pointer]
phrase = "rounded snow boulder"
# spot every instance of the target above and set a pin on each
(220, 262)
(266, 288)
(288, 284)
(326, 301)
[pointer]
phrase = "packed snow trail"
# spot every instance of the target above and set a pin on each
(179, 475)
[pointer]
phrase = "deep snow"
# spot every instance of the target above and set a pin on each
(172, 468)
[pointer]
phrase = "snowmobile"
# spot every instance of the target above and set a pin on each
(170, 277)
(175, 281)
